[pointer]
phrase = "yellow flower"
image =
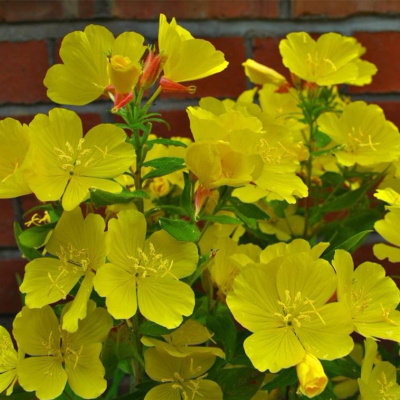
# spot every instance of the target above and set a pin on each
(311, 376)
(80, 248)
(217, 164)
(367, 138)
(370, 296)
(92, 60)
(57, 357)
(184, 341)
(284, 304)
(187, 58)
(14, 139)
(8, 362)
(388, 228)
(331, 60)
(181, 377)
(145, 274)
(260, 74)
(377, 382)
(66, 165)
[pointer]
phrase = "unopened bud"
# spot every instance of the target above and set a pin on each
(169, 86)
(151, 70)
(311, 375)
(123, 73)
(260, 74)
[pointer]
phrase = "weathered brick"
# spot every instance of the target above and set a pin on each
(30, 10)
(6, 225)
(178, 121)
(266, 51)
(22, 71)
(86, 9)
(10, 297)
(343, 8)
(195, 9)
(392, 111)
(382, 49)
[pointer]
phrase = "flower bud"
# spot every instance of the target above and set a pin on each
(311, 375)
(123, 73)
(260, 74)
(169, 86)
(151, 70)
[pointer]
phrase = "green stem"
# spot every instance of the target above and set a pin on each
(308, 180)
(152, 98)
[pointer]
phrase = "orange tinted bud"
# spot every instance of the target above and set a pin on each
(312, 378)
(201, 195)
(151, 70)
(121, 100)
(284, 88)
(169, 86)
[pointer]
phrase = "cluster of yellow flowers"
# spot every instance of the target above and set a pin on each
(146, 253)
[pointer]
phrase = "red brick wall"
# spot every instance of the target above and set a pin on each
(30, 33)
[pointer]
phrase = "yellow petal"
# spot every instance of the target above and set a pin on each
(167, 391)
(48, 280)
(44, 375)
(165, 300)
(118, 286)
(274, 349)
(37, 331)
(83, 75)
(78, 308)
(183, 255)
(86, 372)
(14, 147)
(187, 58)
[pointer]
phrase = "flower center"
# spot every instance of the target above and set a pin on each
(296, 309)
(358, 140)
(150, 263)
(123, 73)
(71, 157)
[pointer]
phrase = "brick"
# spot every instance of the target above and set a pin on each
(179, 124)
(86, 9)
(343, 8)
(195, 9)
(6, 225)
(30, 10)
(10, 297)
(22, 71)
(391, 109)
(266, 51)
(382, 49)
(228, 83)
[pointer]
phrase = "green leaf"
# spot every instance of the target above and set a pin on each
(326, 151)
(349, 245)
(36, 236)
(342, 367)
(249, 210)
(221, 219)
(165, 162)
(165, 142)
(149, 328)
(180, 229)
(238, 383)
(29, 252)
(321, 139)
(224, 329)
(284, 378)
(102, 198)
(163, 166)
(344, 201)
(185, 200)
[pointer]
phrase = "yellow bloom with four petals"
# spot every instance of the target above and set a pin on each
(145, 274)
(80, 248)
(57, 357)
(66, 165)
(8, 362)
